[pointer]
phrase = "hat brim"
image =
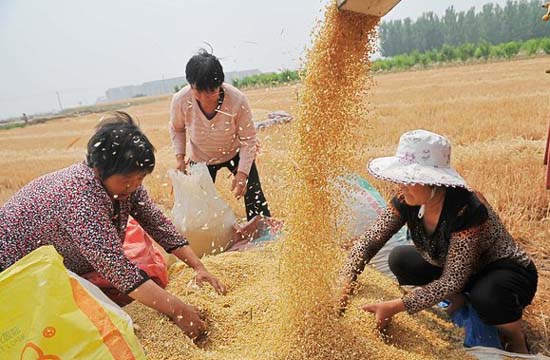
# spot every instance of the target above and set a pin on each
(391, 169)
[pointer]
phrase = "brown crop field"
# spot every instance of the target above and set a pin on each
(496, 116)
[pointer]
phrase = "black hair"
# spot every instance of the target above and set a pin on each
(204, 71)
(120, 147)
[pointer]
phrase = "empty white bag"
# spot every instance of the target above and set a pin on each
(199, 213)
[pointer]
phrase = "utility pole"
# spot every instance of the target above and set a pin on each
(59, 100)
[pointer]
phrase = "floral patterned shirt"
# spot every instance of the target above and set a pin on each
(71, 210)
(468, 236)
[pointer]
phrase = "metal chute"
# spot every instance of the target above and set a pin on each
(376, 8)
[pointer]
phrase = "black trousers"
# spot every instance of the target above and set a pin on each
(499, 292)
(254, 199)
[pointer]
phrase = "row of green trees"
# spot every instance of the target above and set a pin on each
(494, 24)
(464, 53)
(267, 79)
(261, 80)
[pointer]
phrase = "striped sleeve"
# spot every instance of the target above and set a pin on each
(246, 131)
(178, 131)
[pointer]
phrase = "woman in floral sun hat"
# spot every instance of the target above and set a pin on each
(461, 252)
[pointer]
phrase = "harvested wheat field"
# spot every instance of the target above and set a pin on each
(496, 116)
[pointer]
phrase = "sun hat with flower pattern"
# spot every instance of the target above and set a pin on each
(422, 157)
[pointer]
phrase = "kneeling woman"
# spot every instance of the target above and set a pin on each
(461, 249)
(83, 210)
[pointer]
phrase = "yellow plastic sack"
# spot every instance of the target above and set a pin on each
(47, 314)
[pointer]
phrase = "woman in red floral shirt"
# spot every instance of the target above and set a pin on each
(83, 210)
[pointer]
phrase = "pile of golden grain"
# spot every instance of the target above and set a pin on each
(246, 323)
(281, 298)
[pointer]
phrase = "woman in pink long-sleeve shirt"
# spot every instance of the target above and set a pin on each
(83, 210)
(217, 119)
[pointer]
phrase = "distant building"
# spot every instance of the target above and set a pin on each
(164, 86)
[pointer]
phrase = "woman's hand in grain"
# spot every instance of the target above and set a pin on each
(344, 296)
(187, 318)
(204, 276)
(384, 311)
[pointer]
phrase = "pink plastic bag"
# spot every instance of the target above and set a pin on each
(139, 248)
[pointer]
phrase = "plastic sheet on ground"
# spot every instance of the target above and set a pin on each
(363, 201)
(487, 353)
(256, 232)
(274, 118)
(365, 204)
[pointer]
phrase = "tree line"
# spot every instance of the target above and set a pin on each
(261, 80)
(463, 53)
(267, 79)
(493, 24)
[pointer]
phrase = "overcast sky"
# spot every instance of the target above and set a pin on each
(80, 48)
